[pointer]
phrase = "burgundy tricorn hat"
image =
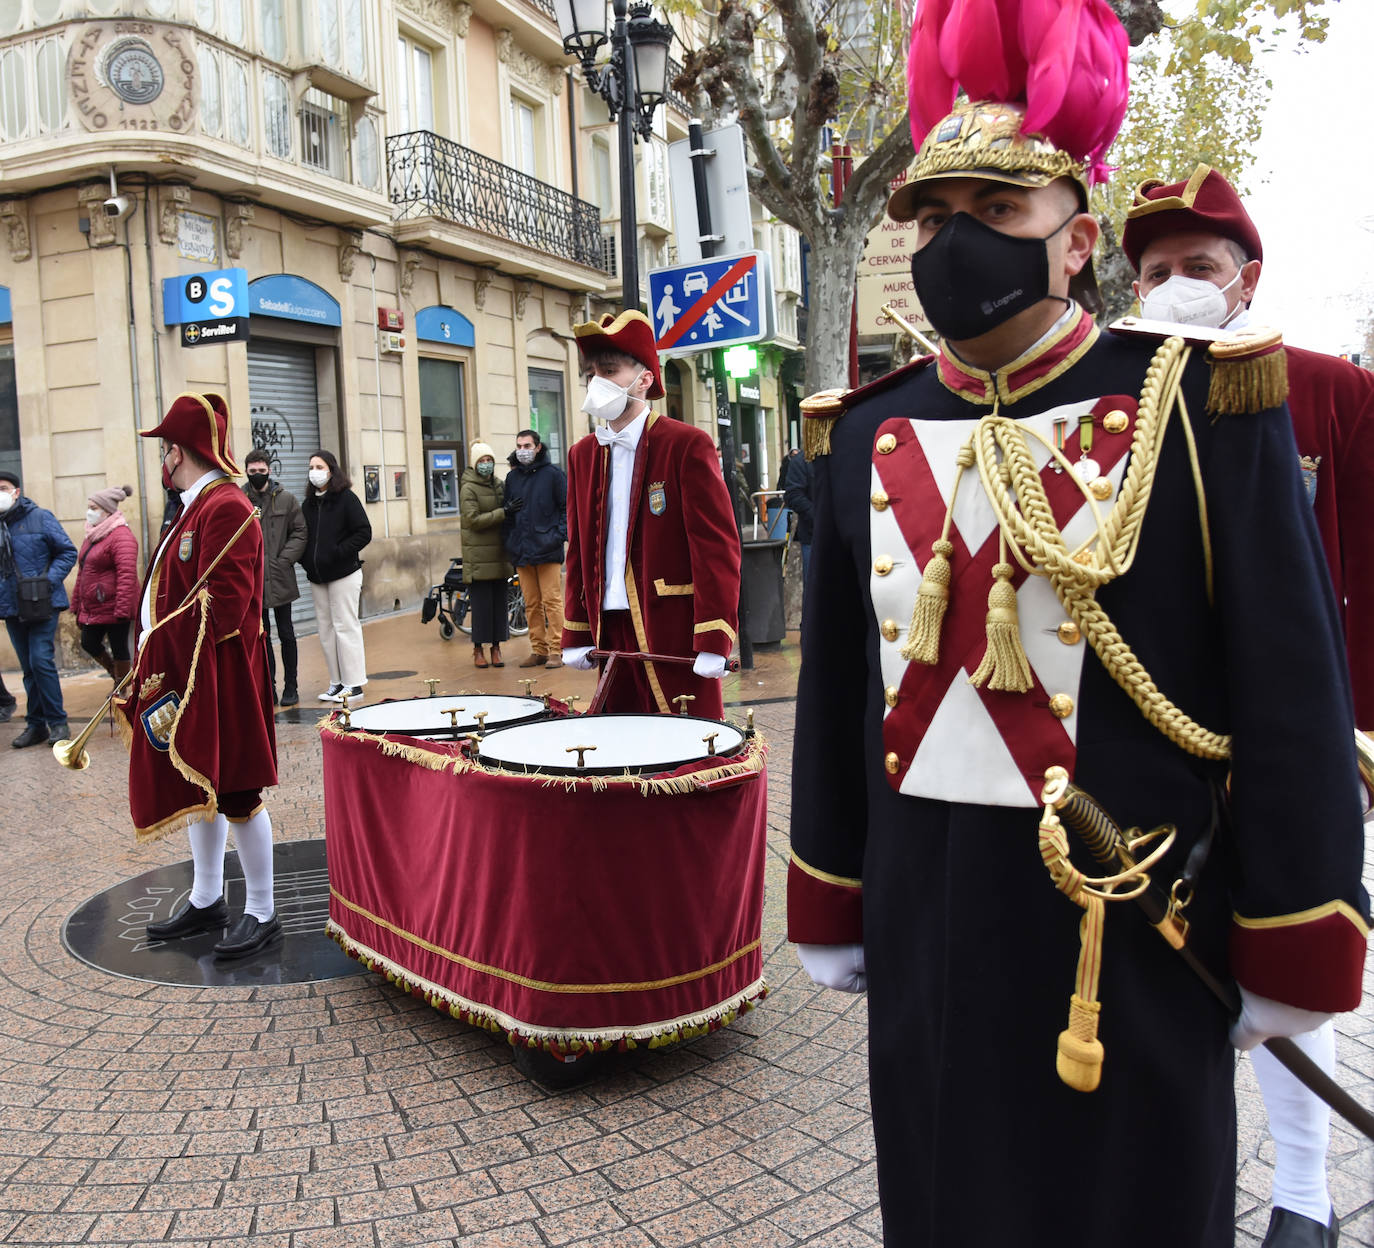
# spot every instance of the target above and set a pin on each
(1205, 202)
(629, 332)
(199, 422)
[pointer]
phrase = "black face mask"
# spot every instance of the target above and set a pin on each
(971, 278)
(258, 480)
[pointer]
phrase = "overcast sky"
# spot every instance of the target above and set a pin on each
(1311, 187)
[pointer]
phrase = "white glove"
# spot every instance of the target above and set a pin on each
(1260, 1018)
(577, 658)
(835, 966)
(709, 666)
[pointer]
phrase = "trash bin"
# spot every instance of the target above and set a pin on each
(761, 571)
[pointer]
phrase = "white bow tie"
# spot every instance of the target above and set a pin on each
(608, 437)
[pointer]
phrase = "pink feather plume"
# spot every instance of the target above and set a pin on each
(1065, 60)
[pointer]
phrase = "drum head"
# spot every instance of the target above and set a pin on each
(429, 718)
(643, 745)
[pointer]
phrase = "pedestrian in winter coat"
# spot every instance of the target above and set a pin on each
(337, 529)
(284, 536)
(35, 556)
(534, 538)
(482, 507)
(106, 594)
(798, 498)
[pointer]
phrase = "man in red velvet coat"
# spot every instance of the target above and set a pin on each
(653, 552)
(198, 711)
(1199, 255)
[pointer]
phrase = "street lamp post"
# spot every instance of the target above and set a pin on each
(633, 84)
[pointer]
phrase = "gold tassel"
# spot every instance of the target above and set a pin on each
(1079, 1060)
(1005, 667)
(816, 435)
(1248, 376)
(922, 643)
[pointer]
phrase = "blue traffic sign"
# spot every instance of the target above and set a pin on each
(712, 303)
(209, 307)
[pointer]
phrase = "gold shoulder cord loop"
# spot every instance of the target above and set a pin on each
(1012, 483)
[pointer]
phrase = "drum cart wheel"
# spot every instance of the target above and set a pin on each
(558, 1073)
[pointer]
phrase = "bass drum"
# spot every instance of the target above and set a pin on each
(606, 745)
(445, 717)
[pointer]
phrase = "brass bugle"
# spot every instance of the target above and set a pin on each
(72, 754)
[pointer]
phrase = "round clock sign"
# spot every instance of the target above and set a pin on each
(133, 71)
(130, 75)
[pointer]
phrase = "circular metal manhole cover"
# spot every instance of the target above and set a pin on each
(109, 932)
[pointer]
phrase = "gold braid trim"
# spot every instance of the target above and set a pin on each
(1013, 485)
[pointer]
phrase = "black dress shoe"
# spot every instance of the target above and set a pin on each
(192, 919)
(34, 734)
(6, 711)
(248, 935)
(1293, 1230)
(289, 697)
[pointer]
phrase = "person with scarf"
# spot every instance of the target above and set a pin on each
(106, 595)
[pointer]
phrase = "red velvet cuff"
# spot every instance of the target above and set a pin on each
(1315, 965)
(820, 912)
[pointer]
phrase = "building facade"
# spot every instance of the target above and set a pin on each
(420, 195)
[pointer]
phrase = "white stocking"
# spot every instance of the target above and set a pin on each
(207, 856)
(1300, 1123)
(254, 841)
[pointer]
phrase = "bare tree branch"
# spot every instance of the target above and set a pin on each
(889, 158)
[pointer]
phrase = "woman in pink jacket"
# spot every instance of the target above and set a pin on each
(106, 594)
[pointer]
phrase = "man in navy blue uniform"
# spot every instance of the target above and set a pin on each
(1054, 547)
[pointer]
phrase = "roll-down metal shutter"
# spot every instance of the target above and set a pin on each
(286, 424)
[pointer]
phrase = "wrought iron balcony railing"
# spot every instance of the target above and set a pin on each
(544, 6)
(673, 98)
(430, 176)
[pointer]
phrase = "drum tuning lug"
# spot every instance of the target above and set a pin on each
(548, 701)
(453, 712)
(529, 682)
(475, 743)
(682, 699)
(481, 718)
(581, 751)
(432, 682)
(573, 699)
(710, 740)
(348, 721)
(749, 718)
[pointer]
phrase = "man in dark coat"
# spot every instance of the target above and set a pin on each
(35, 551)
(534, 537)
(982, 536)
(798, 499)
(283, 542)
(197, 715)
(1199, 255)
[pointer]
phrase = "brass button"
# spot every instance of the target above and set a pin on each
(1115, 421)
(1061, 706)
(887, 444)
(882, 565)
(890, 695)
(1100, 488)
(888, 628)
(879, 500)
(892, 762)
(1068, 633)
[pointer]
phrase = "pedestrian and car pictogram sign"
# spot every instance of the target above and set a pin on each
(712, 303)
(209, 307)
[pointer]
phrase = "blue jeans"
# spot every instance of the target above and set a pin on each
(33, 643)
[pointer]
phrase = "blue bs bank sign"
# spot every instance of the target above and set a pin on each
(210, 307)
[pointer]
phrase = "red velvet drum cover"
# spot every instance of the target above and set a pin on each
(599, 912)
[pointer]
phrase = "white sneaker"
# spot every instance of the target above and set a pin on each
(333, 694)
(355, 695)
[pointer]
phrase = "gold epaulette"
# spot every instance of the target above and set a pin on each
(820, 411)
(1249, 373)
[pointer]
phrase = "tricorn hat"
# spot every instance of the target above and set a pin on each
(200, 423)
(630, 332)
(1205, 202)
(1045, 85)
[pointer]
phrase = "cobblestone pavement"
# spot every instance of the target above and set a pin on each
(345, 1113)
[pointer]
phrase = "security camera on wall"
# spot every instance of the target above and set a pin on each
(117, 207)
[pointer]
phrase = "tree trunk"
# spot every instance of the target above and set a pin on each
(830, 271)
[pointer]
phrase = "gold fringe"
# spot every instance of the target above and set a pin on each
(551, 1039)
(1079, 1059)
(749, 763)
(1245, 384)
(816, 435)
(932, 601)
(174, 823)
(1004, 667)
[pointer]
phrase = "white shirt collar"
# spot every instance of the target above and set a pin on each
(188, 496)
